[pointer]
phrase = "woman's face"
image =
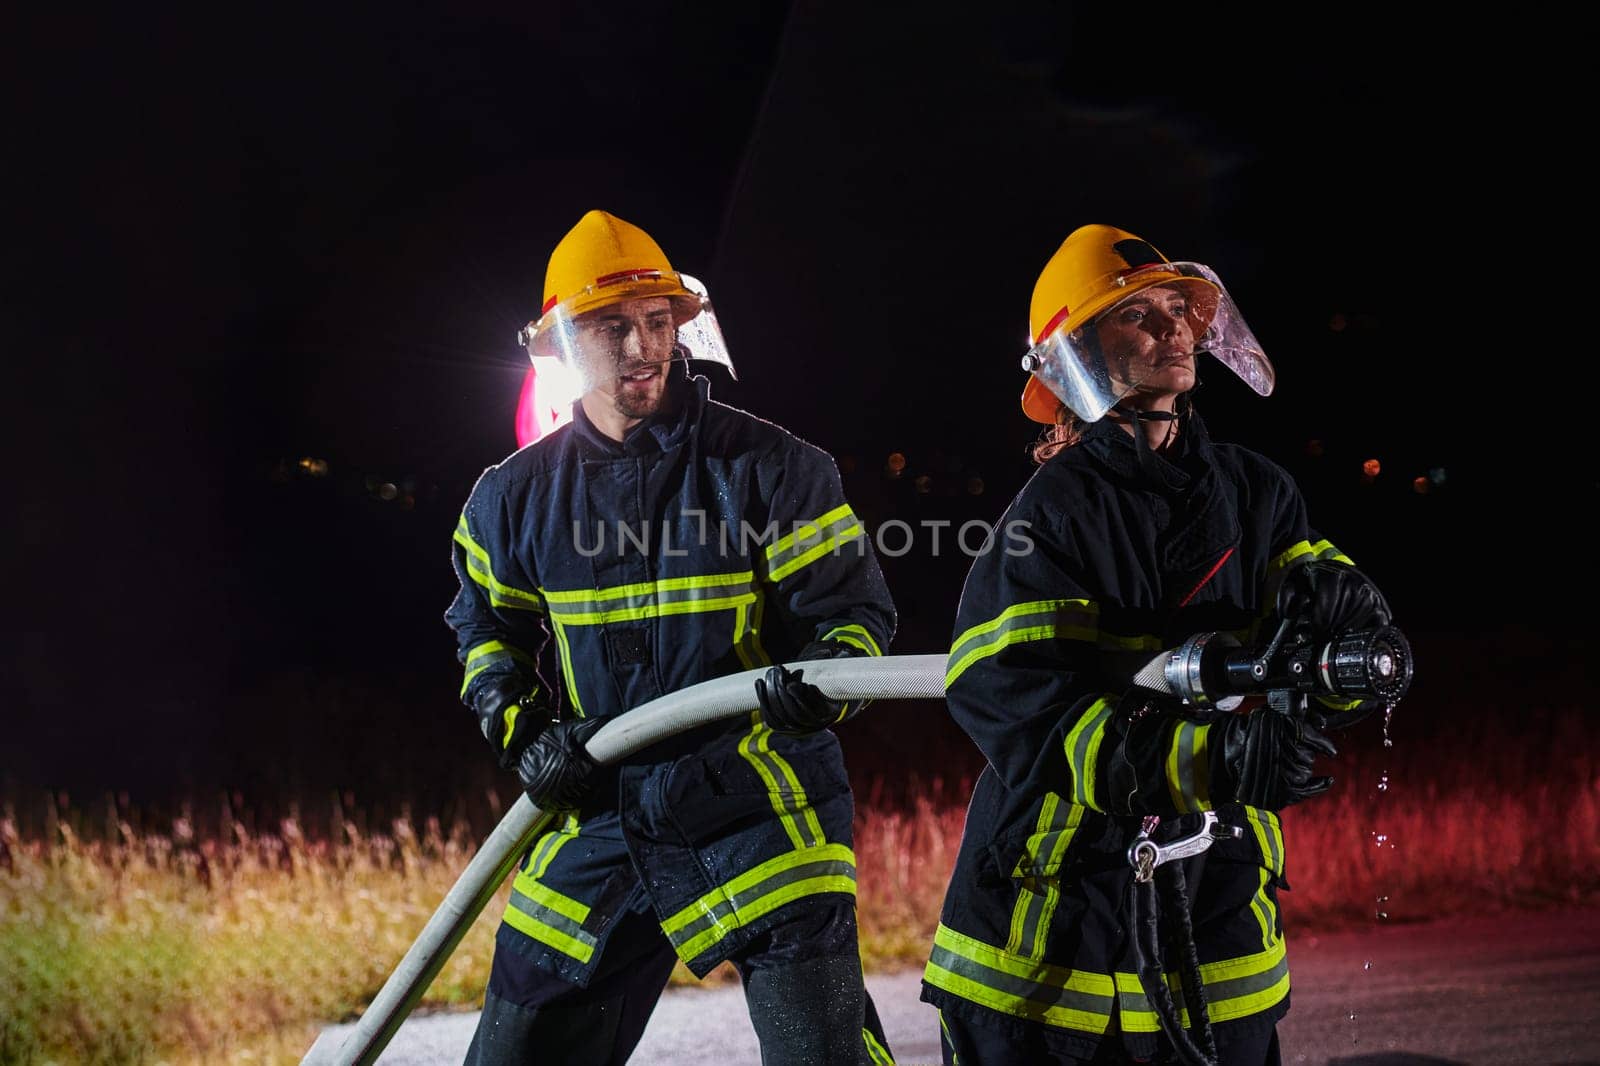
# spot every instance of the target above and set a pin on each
(1148, 340)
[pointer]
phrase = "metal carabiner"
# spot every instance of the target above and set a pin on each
(1144, 854)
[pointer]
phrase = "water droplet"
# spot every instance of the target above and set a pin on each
(1383, 838)
(1352, 1015)
(1367, 965)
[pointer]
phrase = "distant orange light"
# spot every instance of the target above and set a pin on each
(1419, 485)
(1371, 467)
(897, 462)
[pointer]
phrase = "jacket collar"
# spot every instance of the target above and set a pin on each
(658, 433)
(1113, 447)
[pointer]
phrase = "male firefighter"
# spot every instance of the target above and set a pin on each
(665, 539)
(1144, 531)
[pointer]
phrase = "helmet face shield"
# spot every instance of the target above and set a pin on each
(1087, 368)
(623, 326)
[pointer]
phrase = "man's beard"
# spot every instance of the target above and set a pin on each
(643, 402)
(640, 406)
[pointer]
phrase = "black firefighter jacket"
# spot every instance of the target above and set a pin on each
(1127, 559)
(707, 543)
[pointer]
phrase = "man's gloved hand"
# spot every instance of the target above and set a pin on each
(791, 705)
(510, 718)
(1331, 598)
(1265, 760)
(555, 769)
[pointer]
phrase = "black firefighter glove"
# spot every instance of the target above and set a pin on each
(1331, 598)
(555, 769)
(1265, 760)
(509, 718)
(789, 704)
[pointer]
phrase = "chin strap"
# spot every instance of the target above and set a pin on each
(1137, 419)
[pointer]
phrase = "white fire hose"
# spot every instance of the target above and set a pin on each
(888, 678)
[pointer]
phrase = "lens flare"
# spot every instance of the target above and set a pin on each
(548, 392)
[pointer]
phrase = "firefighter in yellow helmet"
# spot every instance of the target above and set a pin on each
(1143, 532)
(665, 539)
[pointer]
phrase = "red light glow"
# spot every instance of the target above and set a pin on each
(548, 393)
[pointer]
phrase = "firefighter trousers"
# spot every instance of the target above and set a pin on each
(802, 981)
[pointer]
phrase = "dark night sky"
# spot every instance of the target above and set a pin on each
(247, 239)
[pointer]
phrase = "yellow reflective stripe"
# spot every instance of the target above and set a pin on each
(550, 899)
(1134, 1012)
(1269, 835)
(1188, 766)
(595, 597)
(1082, 746)
(807, 531)
(784, 790)
(1019, 623)
(542, 913)
(480, 570)
(1041, 891)
(758, 611)
(1118, 642)
(1235, 988)
(652, 610)
(546, 933)
(757, 892)
(1023, 988)
(1304, 551)
(1324, 549)
(1238, 988)
(566, 666)
(1261, 907)
(875, 1051)
(832, 544)
(485, 655)
(544, 851)
(651, 599)
(740, 613)
(856, 636)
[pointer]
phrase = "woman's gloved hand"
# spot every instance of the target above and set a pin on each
(1265, 759)
(1331, 598)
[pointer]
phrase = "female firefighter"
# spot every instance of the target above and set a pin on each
(1143, 532)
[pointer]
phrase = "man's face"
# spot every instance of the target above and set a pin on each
(626, 350)
(1149, 337)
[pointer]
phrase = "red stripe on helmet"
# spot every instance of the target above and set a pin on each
(548, 304)
(1050, 326)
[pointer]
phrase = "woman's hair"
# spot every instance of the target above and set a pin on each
(1067, 431)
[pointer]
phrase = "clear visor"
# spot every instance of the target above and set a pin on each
(645, 320)
(1177, 310)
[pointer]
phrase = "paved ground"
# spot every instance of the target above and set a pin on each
(1512, 990)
